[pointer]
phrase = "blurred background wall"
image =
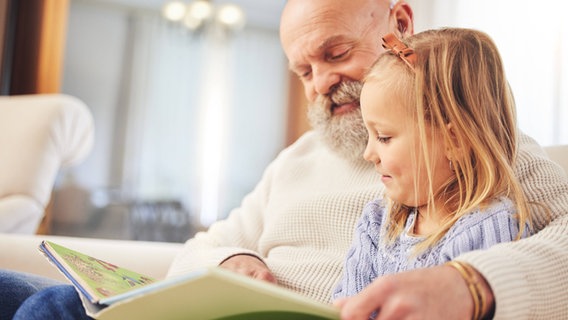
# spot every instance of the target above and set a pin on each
(186, 121)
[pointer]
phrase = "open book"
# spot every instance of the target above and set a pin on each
(111, 292)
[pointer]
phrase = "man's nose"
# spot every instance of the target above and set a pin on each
(324, 80)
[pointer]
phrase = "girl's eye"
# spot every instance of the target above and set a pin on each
(383, 139)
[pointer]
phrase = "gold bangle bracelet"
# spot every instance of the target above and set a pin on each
(468, 274)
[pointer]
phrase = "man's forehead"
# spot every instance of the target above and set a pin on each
(312, 32)
(301, 15)
(323, 29)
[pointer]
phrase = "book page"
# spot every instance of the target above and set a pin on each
(217, 293)
(95, 278)
(110, 292)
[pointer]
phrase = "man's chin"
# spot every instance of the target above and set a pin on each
(338, 118)
(344, 134)
(346, 148)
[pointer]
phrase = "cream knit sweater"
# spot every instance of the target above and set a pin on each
(300, 218)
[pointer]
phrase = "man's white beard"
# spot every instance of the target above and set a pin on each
(344, 133)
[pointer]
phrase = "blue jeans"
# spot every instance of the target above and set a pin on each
(29, 297)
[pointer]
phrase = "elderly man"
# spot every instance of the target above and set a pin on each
(295, 227)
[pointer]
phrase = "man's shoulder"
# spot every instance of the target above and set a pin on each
(529, 145)
(300, 153)
(310, 143)
(309, 138)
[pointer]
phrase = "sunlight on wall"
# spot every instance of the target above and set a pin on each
(213, 136)
(533, 42)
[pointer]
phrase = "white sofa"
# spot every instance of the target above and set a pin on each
(39, 134)
(19, 252)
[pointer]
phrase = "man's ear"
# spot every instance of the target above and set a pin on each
(402, 18)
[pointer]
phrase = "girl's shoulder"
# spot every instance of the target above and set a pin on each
(481, 229)
(375, 210)
(498, 216)
(498, 209)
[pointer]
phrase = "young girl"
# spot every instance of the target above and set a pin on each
(442, 135)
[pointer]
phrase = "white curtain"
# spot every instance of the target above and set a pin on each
(162, 105)
(533, 40)
(195, 106)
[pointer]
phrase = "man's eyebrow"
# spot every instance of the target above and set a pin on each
(330, 41)
(294, 67)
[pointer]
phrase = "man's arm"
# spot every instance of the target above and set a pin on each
(427, 293)
(528, 277)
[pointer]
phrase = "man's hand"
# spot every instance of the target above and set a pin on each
(249, 266)
(431, 293)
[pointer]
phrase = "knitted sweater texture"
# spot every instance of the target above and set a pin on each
(300, 218)
(371, 256)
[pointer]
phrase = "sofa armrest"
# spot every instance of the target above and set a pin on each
(16, 212)
(40, 133)
(20, 252)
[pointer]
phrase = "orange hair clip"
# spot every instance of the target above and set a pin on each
(392, 43)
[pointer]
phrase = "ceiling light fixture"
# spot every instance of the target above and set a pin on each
(197, 14)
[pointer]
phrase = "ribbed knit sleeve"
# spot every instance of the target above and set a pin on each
(529, 278)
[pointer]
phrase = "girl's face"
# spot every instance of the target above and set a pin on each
(394, 147)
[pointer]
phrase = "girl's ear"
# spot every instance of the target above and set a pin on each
(452, 148)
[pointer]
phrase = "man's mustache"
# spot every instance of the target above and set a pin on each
(346, 92)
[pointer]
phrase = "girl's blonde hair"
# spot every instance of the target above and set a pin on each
(457, 89)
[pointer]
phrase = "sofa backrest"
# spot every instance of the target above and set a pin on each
(558, 154)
